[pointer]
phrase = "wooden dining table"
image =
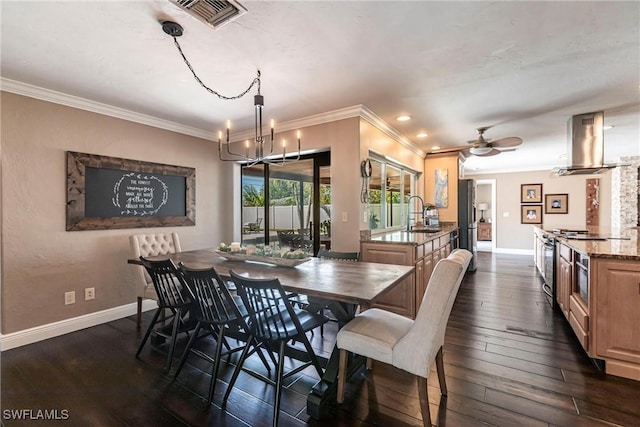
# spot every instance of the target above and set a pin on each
(344, 286)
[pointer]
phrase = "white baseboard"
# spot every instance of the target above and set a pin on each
(513, 251)
(43, 332)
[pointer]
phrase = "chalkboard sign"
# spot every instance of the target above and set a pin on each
(109, 192)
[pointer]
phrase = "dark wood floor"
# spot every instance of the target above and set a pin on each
(509, 361)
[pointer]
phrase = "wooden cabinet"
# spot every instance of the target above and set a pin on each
(564, 277)
(615, 306)
(484, 231)
(400, 299)
(405, 298)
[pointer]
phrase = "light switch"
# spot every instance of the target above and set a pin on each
(345, 216)
(505, 214)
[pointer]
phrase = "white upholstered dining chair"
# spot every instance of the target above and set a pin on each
(148, 245)
(410, 345)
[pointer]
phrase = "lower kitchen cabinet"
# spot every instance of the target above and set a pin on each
(616, 315)
(564, 277)
(405, 298)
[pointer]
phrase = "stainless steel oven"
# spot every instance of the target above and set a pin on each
(581, 283)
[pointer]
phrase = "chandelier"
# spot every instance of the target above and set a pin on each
(259, 150)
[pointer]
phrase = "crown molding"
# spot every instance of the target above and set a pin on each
(377, 121)
(60, 98)
(48, 95)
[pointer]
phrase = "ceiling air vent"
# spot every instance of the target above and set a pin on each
(211, 12)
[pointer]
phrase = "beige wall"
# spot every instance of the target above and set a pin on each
(40, 260)
(511, 234)
(483, 195)
(450, 163)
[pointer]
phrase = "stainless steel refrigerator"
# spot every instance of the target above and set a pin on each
(467, 218)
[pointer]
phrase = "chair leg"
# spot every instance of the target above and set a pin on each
(236, 371)
(424, 401)
(440, 368)
(279, 375)
(342, 373)
(139, 314)
(174, 335)
(149, 329)
(187, 349)
(216, 365)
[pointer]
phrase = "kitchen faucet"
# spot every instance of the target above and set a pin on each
(422, 211)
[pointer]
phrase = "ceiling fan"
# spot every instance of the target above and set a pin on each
(484, 147)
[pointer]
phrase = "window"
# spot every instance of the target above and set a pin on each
(390, 187)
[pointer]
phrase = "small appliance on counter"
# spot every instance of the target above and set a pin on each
(431, 216)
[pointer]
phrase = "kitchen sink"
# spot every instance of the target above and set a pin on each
(425, 230)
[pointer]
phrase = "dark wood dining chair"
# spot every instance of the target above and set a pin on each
(274, 322)
(173, 296)
(216, 312)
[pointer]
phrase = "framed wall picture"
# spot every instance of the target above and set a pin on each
(531, 214)
(531, 193)
(105, 193)
(556, 203)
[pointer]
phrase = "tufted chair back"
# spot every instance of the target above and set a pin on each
(148, 245)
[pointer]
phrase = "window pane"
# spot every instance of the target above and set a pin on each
(253, 204)
(291, 204)
(375, 195)
(393, 189)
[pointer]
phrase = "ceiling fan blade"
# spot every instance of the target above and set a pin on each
(510, 141)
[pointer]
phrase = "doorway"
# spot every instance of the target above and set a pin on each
(486, 205)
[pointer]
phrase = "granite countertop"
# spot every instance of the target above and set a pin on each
(619, 244)
(402, 237)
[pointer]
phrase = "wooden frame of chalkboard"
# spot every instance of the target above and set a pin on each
(108, 192)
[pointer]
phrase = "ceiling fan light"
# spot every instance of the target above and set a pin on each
(479, 151)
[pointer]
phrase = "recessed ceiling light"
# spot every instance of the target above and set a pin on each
(607, 127)
(422, 135)
(435, 147)
(403, 118)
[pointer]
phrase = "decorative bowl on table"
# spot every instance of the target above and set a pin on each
(264, 254)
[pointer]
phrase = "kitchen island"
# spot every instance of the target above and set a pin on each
(597, 288)
(422, 249)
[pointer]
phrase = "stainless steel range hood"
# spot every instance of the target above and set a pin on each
(585, 145)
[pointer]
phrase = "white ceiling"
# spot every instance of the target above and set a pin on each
(523, 67)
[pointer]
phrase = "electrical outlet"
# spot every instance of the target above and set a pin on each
(70, 297)
(345, 216)
(89, 293)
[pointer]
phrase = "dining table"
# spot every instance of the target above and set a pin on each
(343, 287)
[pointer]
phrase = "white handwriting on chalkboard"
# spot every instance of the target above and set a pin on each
(134, 193)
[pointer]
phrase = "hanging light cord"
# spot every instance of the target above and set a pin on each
(256, 81)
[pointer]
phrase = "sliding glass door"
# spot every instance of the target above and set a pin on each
(281, 204)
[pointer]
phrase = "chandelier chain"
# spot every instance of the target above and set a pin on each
(186, 61)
